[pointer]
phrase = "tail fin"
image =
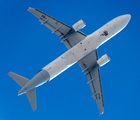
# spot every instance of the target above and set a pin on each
(31, 95)
(21, 81)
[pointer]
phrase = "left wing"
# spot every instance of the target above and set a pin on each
(67, 34)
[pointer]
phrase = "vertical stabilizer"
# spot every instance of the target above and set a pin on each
(31, 95)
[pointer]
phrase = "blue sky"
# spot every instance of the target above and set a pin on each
(26, 46)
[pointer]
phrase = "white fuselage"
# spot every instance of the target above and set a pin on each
(90, 43)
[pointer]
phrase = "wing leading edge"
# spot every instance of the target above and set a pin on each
(70, 38)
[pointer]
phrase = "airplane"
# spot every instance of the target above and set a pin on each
(82, 49)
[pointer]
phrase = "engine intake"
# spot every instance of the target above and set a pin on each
(79, 25)
(103, 60)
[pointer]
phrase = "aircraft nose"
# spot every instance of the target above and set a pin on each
(127, 18)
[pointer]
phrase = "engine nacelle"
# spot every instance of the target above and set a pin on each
(103, 60)
(79, 25)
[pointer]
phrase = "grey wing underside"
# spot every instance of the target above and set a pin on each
(70, 38)
(66, 33)
(88, 65)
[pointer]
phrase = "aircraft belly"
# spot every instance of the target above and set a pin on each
(56, 67)
(69, 58)
(80, 50)
(84, 47)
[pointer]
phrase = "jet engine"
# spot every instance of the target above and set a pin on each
(103, 60)
(79, 25)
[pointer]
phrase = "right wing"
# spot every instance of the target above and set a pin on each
(66, 33)
(90, 68)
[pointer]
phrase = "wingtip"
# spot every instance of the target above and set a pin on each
(34, 109)
(102, 112)
(29, 8)
(8, 73)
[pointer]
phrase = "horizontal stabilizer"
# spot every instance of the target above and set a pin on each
(21, 81)
(31, 95)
